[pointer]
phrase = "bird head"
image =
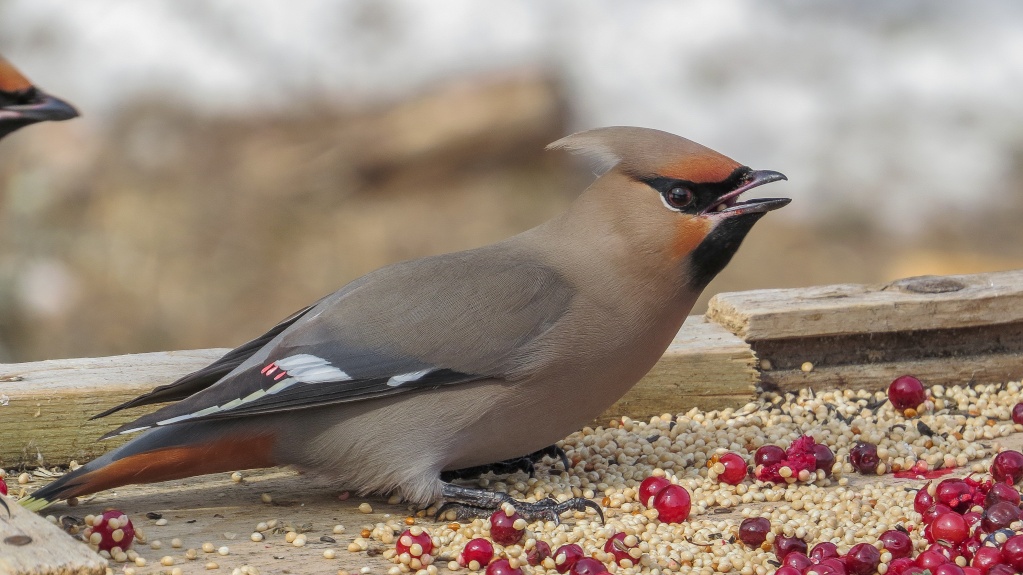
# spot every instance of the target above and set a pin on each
(671, 197)
(22, 104)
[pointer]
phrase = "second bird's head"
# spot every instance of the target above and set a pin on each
(22, 104)
(673, 197)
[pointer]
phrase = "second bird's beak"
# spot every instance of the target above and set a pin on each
(37, 106)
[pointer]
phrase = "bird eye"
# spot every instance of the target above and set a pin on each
(678, 198)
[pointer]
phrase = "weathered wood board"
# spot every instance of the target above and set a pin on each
(31, 545)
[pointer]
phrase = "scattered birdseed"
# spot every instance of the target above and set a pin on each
(339, 529)
(166, 561)
(212, 565)
(806, 367)
(257, 537)
(176, 543)
(177, 571)
(161, 522)
(24, 478)
(208, 547)
(236, 477)
(224, 550)
(365, 508)
(156, 544)
(329, 554)
(266, 498)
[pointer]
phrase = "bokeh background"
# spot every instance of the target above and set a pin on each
(238, 159)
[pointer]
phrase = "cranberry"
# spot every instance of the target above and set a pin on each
(934, 511)
(825, 457)
(479, 550)
(923, 499)
(950, 527)
(971, 571)
(899, 565)
(618, 547)
(797, 561)
(502, 567)
(1001, 569)
(823, 550)
(503, 529)
(588, 566)
(1002, 492)
(786, 570)
(972, 518)
(1007, 466)
(785, 545)
(863, 457)
(862, 559)
(114, 530)
(999, 516)
(538, 553)
(948, 569)
(986, 558)
(735, 468)
(827, 567)
(673, 504)
(930, 559)
(3, 487)
(955, 493)
(753, 531)
(566, 556)
(906, 392)
(897, 543)
(768, 455)
(1012, 551)
(1017, 413)
(650, 487)
(969, 547)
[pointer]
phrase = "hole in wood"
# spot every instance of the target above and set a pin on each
(18, 540)
(928, 284)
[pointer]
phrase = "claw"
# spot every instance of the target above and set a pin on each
(472, 502)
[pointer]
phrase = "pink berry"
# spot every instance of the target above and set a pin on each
(479, 550)
(415, 541)
(538, 553)
(825, 458)
(616, 546)
(951, 528)
(897, 543)
(588, 566)
(768, 455)
(906, 392)
(735, 468)
(823, 550)
(566, 556)
(502, 567)
(113, 528)
(1017, 413)
(1007, 466)
(862, 559)
(753, 531)
(502, 528)
(673, 504)
(650, 487)
(785, 545)
(863, 457)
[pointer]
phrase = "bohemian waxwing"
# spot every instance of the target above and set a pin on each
(463, 359)
(22, 104)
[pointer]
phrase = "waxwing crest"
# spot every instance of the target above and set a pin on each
(647, 153)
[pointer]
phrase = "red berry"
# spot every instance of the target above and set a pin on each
(3, 487)
(753, 531)
(616, 546)
(672, 504)
(1007, 466)
(906, 392)
(479, 550)
(502, 567)
(862, 559)
(934, 511)
(768, 455)
(823, 550)
(1001, 569)
(797, 561)
(955, 493)
(502, 528)
(588, 566)
(923, 500)
(1001, 492)
(109, 530)
(1012, 551)
(930, 559)
(897, 543)
(650, 487)
(1017, 413)
(951, 528)
(863, 457)
(899, 565)
(538, 553)
(986, 557)
(735, 468)
(414, 541)
(566, 556)
(971, 571)
(972, 518)
(786, 570)
(825, 457)
(948, 569)
(999, 516)
(831, 566)
(785, 545)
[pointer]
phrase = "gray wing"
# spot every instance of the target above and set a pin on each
(421, 324)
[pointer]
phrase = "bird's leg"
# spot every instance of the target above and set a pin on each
(509, 466)
(472, 502)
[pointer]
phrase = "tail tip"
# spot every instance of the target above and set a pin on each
(34, 504)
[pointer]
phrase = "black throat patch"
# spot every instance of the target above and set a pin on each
(717, 249)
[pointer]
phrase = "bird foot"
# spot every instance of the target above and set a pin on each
(470, 503)
(509, 466)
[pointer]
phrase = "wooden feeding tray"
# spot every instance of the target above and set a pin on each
(951, 330)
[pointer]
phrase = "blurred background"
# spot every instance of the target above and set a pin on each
(238, 159)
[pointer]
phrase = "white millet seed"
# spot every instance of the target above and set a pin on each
(257, 537)
(365, 508)
(223, 550)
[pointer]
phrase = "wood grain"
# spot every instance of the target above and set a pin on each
(31, 545)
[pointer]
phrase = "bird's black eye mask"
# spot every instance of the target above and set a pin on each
(693, 198)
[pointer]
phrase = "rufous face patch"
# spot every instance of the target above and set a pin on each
(10, 79)
(689, 232)
(701, 169)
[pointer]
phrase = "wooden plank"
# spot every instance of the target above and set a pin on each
(912, 304)
(45, 405)
(31, 545)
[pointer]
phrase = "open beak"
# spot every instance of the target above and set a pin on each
(38, 107)
(729, 204)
